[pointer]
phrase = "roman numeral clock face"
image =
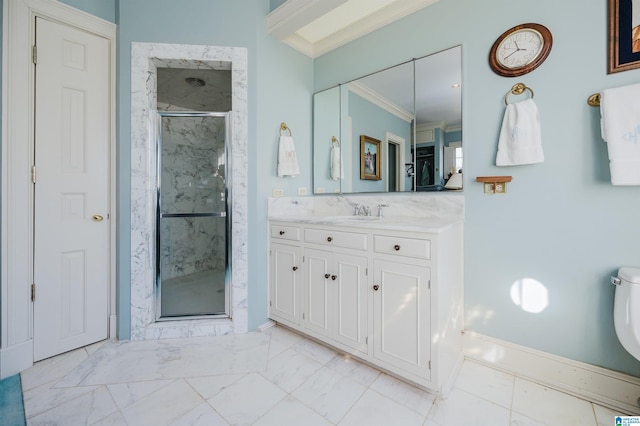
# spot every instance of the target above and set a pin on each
(520, 50)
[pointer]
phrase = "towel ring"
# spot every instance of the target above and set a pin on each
(284, 128)
(334, 141)
(517, 89)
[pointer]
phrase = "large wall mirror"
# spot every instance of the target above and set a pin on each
(396, 130)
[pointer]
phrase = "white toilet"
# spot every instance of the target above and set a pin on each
(626, 309)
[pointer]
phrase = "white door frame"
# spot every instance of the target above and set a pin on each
(400, 159)
(16, 343)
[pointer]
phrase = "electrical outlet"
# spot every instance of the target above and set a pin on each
(277, 192)
(302, 190)
(320, 190)
(495, 188)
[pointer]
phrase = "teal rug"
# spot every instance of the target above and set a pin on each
(11, 404)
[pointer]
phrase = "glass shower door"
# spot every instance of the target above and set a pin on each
(192, 224)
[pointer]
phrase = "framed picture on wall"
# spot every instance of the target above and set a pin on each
(370, 157)
(624, 35)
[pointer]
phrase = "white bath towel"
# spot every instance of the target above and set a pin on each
(336, 164)
(287, 159)
(520, 137)
(620, 126)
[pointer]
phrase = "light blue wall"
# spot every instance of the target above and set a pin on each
(561, 223)
(371, 120)
(105, 9)
(274, 4)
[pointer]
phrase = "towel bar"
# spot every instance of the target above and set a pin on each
(517, 89)
(284, 128)
(594, 100)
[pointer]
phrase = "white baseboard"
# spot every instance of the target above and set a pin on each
(266, 325)
(16, 358)
(596, 384)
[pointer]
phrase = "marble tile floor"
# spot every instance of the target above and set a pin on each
(273, 378)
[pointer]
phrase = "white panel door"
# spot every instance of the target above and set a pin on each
(317, 306)
(71, 231)
(401, 316)
(284, 294)
(350, 302)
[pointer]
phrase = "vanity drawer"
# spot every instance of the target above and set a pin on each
(283, 232)
(409, 247)
(333, 238)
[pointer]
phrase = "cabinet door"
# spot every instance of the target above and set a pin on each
(401, 316)
(349, 296)
(286, 276)
(318, 274)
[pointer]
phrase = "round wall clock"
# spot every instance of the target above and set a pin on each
(520, 50)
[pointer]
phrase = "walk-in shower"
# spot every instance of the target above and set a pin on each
(192, 221)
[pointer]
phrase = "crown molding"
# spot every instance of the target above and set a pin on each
(380, 101)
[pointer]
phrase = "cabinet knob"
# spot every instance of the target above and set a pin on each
(376, 287)
(329, 239)
(281, 232)
(333, 277)
(295, 268)
(327, 275)
(396, 247)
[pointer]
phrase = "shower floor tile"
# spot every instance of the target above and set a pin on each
(201, 293)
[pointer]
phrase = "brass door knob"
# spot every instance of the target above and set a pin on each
(97, 218)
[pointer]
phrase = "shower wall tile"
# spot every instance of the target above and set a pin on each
(192, 147)
(145, 59)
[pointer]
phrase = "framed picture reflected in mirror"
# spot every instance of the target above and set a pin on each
(370, 157)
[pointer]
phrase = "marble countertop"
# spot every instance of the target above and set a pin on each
(406, 223)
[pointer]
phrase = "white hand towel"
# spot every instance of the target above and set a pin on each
(287, 159)
(520, 137)
(336, 164)
(620, 126)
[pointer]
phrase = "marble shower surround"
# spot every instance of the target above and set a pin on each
(146, 58)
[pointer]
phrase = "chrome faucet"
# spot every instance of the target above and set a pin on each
(367, 210)
(356, 210)
(380, 206)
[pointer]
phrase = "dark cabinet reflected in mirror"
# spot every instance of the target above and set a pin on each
(418, 121)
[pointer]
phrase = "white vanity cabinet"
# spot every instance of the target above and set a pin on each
(336, 288)
(392, 298)
(286, 274)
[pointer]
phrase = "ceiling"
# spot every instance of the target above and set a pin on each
(315, 27)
